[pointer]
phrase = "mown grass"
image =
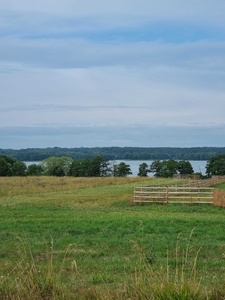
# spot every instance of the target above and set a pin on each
(221, 186)
(73, 238)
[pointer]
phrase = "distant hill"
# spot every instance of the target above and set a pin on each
(113, 153)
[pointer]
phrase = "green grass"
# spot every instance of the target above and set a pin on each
(89, 242)
(221, 186)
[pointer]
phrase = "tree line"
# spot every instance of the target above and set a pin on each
(113, 153)
(101, 167)
(64, 166)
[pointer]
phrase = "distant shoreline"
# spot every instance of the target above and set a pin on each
(117, 153)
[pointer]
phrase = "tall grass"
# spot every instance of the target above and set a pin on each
(38, 278)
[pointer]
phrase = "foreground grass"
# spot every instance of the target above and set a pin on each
(73, 238)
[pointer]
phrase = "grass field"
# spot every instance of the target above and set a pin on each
(80, 238)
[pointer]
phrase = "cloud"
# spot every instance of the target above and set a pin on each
(115, 72)
(91, 136)
(161, 9)
(110, 96)
(86, 54)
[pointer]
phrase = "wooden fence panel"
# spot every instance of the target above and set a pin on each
(209, 182)
(173, 194)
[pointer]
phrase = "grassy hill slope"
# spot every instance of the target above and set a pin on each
(80, 238)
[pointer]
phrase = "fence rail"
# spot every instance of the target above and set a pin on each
(173, 194)
(209, 182)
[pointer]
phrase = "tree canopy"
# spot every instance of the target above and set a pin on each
(96, 167)
(56, 166)
(143, 170)
(121, 170)
(216, 165)
(11, 167)
(167, 168)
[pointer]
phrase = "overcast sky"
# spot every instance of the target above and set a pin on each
(112, 73)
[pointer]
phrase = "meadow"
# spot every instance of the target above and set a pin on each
(81, 238)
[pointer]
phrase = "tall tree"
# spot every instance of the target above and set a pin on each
(19, 168)
(99, 167)
(77, 168)
(216, 165)
(185, 167)
(5, 168)
(96, 167)
(143, 170)
(35, 170)
(164, 168)
(169, 168)
(155, 168)
(56, 166)
(121, 170)
(11, 167)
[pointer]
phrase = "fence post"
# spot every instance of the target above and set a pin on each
(214, 197)
(167, 195)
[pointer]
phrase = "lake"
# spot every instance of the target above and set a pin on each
(197, 165)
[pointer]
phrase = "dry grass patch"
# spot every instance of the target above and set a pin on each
(10, 186)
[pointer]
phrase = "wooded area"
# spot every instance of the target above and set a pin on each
(112, 153)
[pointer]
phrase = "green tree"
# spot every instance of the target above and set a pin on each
(164, 168)
(99, 167)
(96, 167)
(216, 165)
(143, 170)
(155, 168)
(35, 170)
(56, 166)
(19, 168)
(80, 168)
(5, 168)
(185, 167)
(11, 167)
(169, 168)
(121, 170)
(8, 159)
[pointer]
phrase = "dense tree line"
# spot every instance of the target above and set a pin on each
(100, 167)
(64, 166)
(112, 153)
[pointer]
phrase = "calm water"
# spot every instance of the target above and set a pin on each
(198, 165)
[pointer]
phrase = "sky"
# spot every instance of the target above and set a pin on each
(112, 73)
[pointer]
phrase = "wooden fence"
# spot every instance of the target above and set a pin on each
(190, 192)
(208, 182)
(173, 194)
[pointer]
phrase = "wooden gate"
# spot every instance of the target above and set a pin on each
(173, 194)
